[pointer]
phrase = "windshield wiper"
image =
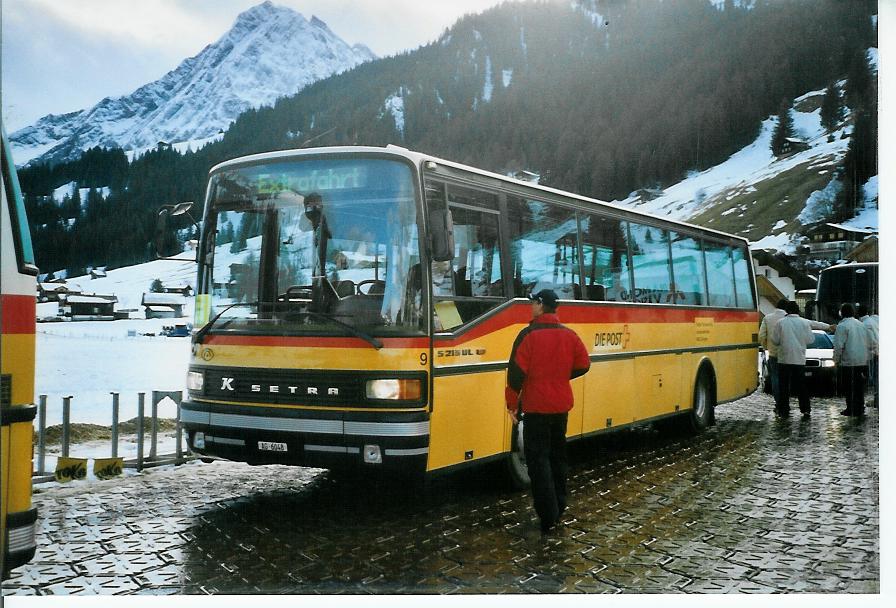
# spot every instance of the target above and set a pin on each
(354, 330)
(198, 337)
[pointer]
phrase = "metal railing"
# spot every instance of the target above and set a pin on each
(141, 460)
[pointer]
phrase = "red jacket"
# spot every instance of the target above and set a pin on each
(545, 357)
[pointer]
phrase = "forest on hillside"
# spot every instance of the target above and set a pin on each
(601, 107)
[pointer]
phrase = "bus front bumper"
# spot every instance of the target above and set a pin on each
(315, 438)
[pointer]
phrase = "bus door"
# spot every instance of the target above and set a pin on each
(470, 346)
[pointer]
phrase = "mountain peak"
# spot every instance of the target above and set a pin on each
(270, 52)
(260, 13)
(319, 23)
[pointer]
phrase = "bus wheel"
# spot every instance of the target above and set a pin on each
(516, 460)
(704, 401)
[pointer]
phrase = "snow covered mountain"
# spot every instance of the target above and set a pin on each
(269, 52)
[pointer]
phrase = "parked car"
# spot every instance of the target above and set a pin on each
(177, 331)
(821, 371)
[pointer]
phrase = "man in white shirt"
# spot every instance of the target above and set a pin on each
(792, 335)
(872, 326)
(771, 349)
(851, 356)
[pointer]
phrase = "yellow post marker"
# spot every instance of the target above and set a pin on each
(107, 468)
(68, 469)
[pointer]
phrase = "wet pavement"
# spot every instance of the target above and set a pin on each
(754, 505)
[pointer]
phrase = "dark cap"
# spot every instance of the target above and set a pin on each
(547, 297)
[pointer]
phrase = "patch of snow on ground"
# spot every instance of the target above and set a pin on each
(820, 203)
(781, 242)
(395, 106)
(807, 125)
(66, 190)
(506, 77)
(488, 86)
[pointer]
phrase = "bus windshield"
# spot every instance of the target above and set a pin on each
(854, 283)
(322, 246)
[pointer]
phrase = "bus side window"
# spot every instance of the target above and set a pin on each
(543, 246)
(719, 274)
(687, 269)
(650, 265)
(743, 285)
(605, 257)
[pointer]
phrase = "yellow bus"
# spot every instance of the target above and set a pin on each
(356, 308)
(18, 296)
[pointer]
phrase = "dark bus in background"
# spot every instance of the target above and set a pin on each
(856, 283)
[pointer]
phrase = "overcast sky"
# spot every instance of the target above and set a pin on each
(64, 55)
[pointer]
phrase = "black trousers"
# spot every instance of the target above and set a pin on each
(544, 439)
(851, 382)
(791, 379)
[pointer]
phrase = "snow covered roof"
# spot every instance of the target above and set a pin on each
(865, 230)
(91, 300)
(54, 287)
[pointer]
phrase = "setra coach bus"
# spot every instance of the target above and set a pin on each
(356, 307)
(18, 296)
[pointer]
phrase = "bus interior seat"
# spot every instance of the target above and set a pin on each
(377, 288)
(596, 292)
(461, 284)
(360, 309)
(344, 288)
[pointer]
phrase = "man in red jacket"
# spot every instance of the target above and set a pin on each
(545, 357)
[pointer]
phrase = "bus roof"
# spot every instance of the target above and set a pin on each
(418, 159)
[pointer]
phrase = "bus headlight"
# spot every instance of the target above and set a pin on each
(195, 381)
(394, 388)
(827, 363)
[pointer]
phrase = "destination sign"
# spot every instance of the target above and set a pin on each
(305, 179)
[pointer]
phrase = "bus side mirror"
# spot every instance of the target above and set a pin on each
(442, 236)
(166, 243)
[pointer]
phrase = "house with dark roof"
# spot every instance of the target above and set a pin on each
(833, 242)
(55, 292)
(91, 307)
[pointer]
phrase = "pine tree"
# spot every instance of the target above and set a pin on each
(156, 286)
(783, 130)
(859, 92)
(831, 108)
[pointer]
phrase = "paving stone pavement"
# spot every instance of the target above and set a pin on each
(753, 505)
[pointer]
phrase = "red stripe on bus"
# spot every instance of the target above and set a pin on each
(313, 341)
(18, 314)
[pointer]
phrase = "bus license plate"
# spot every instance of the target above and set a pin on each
(271, 446)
